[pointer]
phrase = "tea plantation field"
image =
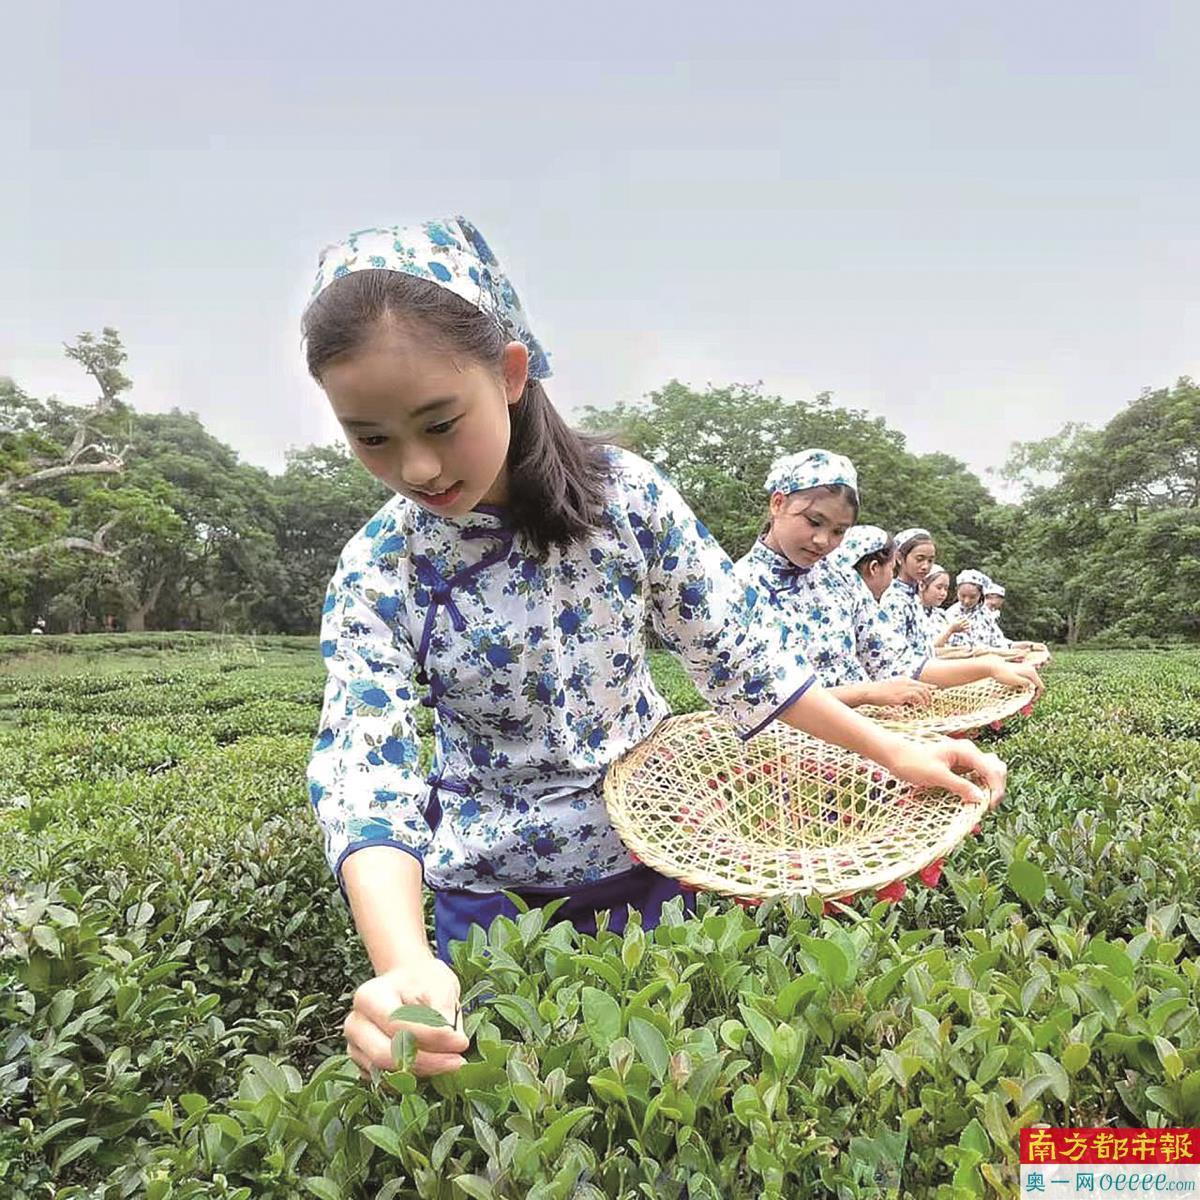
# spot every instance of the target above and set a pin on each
(175, 965)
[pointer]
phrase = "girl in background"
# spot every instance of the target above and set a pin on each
(934, 590)
(980, 629)
(821, 579)
(993, 599)
(901, 603)
(823, 612)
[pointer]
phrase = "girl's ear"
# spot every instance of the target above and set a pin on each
(778, 499)
(514, 365)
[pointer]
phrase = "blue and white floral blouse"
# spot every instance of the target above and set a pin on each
(937, 620)
(903, 612)
(983, 629)
(829, 616)
(1005, 640)
(537, 674)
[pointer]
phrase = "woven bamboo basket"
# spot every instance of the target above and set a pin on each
(780, 814)
(956, 652)
(1036, 656)
(1008, 653)
(954, 709)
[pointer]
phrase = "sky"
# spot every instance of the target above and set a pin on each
(978, 221)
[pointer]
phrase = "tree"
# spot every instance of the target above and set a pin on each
(50, 454)
(41, 444)
(1110, 518)
(718, 445)
(323, 497)
(105, 511)
(213, 564)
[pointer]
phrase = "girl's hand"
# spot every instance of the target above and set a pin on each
(901, 690)
(959, 626)
(943, 764)
(1018, 675)
(369, 1028)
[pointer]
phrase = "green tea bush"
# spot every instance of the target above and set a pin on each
(150, 643)
(175, 964)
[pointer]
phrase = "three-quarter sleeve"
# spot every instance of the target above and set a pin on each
(363, 776)
(706, 616)
(881, 649)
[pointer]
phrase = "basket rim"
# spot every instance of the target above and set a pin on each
(1004, 707)
(951, 834)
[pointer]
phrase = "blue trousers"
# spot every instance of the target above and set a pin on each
(455, 911)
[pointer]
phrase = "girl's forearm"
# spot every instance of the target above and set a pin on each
(946, 672)
(823, 716)
(385, 888)
(851, 694)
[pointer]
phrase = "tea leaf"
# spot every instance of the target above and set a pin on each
(443, 1146)
(323, 1188)
(550, 1143)
(475, 1186)
(651, 1046)
(386, 1139)
(1060, 1084)
(420, 1014)
(1075, 1057)
(601, 1016)
(832, 963)
(1028, 881)
(84, 1145)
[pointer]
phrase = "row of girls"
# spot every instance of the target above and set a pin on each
(859, 601)
(974, 618)
(506, 586)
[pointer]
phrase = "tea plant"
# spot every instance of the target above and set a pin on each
(175, 964)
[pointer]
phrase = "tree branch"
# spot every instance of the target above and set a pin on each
(99, 535)
(152, 599)
(23, 482)
(95, 546)
(75, 454)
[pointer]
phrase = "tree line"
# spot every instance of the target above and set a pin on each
(112, 518)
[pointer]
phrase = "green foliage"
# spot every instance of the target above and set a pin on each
(102, 357)
(157, 523)
(322, 498)
(1107, 543)
(717, 446)
(146, 519)
(176, 965)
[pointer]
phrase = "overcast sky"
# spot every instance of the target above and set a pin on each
(976, 220)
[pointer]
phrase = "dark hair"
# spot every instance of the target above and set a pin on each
(902, 552)
(833, 489)
(557, 476)
(881, 556)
